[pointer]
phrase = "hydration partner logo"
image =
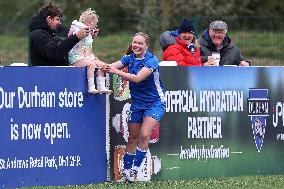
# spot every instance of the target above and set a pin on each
(258, 110)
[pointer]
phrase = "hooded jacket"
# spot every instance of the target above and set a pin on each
(46, 49)
(182, 54)
(229, 54)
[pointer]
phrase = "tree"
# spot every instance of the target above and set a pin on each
(257, 8)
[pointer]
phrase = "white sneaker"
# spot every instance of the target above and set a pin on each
(125, 177)
(121, 180)
(104, 90)
(92, 90)
(133, 175)
(101, 85)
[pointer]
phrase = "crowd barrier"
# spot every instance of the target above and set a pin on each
(51, 131)
(219, 121)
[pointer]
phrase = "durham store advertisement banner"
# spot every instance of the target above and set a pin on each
(51, 131)
(219, 121)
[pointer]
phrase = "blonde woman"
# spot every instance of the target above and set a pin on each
(81, 54)
(148, 100)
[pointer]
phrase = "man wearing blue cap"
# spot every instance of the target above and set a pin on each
(186, 49)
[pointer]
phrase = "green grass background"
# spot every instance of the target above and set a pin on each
(262, 48)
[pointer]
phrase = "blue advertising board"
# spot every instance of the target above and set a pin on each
(51, 131)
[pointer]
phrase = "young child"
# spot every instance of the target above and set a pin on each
(81, 54)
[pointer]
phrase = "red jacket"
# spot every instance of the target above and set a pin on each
(182, 55)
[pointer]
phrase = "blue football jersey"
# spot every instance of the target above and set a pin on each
(151, 89)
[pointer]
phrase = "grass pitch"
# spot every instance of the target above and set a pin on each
(247, 182)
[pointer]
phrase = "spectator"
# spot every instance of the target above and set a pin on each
(186, 51)
(215, 39)
(148, 100)
(46, 49)
(81, 54)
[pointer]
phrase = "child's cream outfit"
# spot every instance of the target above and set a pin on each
(83, 50)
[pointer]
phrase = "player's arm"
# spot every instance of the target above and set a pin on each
(136, 78)
(118, 65)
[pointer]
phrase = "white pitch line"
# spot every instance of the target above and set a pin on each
(236, 152)
(172, 154)
(173, 168)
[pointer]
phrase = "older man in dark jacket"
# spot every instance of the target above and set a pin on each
(216, 41)
(46, 49)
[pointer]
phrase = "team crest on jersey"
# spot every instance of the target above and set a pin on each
(258, 110)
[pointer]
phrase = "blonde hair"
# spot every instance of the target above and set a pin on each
(147, 39)
(195, 42)
(129, 48)
(87, 15)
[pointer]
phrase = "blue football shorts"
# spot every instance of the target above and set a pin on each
(138, 111)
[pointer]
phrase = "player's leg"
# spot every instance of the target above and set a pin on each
(134, 128)
(152, 116)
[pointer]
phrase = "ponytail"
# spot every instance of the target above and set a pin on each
(128, 50)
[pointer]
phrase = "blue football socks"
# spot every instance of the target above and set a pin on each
(140, 155)
(128, 159)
